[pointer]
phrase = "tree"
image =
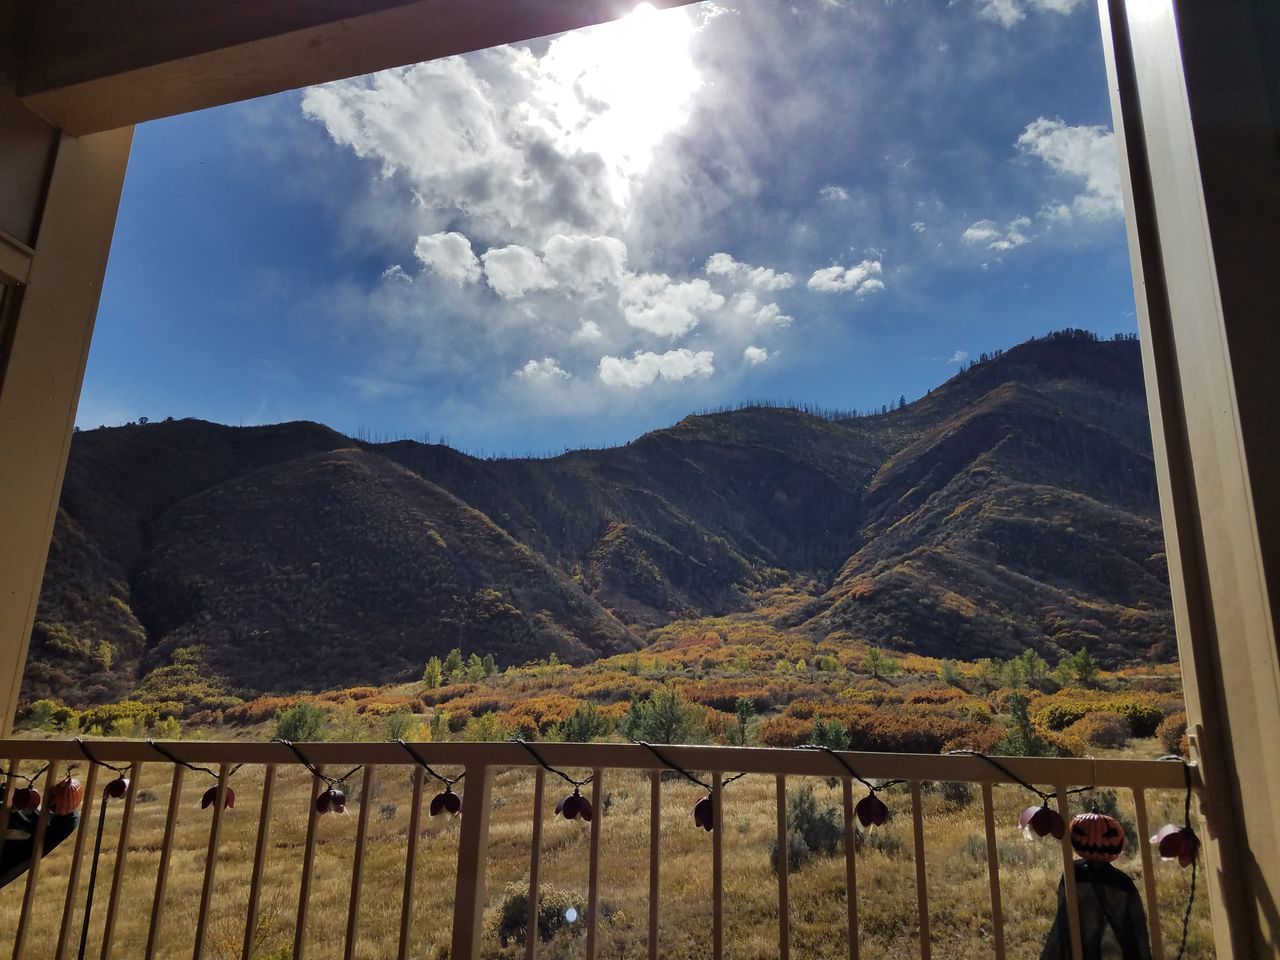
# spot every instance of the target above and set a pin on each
(585, 724)
(879, 664)
(1022, 739)
(301, 722)
(398, 725)
(433, 675)
(490, 665)
(439, 728)
(744, 711)
(949, 672)
(452, 665)
(664, 718)
(1080, 667)
(475, 669)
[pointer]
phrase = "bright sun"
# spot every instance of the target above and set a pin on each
(619, 88)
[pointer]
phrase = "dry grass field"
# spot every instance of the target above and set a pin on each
(959, 905)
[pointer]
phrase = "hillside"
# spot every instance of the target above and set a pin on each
(1013, 506)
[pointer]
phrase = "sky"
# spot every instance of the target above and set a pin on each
(568, 242)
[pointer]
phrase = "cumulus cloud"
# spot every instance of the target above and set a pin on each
(960, 356)
(760, 278)
(645, 367)
(862, 278)
(991, 234)
(1086, 153)
(658, 304)
(542, 371)
(449, 256)
(514, 270)
(514, 146)
(747, 306)
(833, 193)
(588, 332)
(755, 355)
(586, 264)
(1007, 13)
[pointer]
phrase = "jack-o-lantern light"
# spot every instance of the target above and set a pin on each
(66, 796)
(1097, 837)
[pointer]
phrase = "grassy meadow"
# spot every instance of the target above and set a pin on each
(731, 680)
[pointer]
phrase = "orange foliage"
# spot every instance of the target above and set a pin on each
(785, 732)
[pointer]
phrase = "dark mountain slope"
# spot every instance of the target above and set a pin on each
(342, 568)
(1014, 505)
(1029, 518)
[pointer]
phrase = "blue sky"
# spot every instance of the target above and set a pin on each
(569, 242)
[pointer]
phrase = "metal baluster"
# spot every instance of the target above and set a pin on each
(318, 786)
(410, 864)
(77, 857)
(851, 869)
(357, 865)
(593, 874)
(33, 871)
(655, 858)
(1069, 878)
(1148, 872)
(259, 861)
(122, 850)
(993, 872)
(211, 861)
(535, 866)
(784, 900)
(922, 887)
(717, 869)
(166, 852)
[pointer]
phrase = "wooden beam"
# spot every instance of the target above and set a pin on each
(111, 63)
(42, 373)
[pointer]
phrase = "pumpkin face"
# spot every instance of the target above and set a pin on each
(1097, 837)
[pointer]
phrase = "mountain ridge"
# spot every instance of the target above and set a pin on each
(1012, 506)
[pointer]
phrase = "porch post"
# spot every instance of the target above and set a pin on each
(45, 341)
(1197, 116)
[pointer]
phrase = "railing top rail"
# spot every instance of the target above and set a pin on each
(1149, 774)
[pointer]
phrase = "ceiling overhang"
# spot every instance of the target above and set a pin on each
(88, 67)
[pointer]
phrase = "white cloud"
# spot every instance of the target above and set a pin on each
(748, 306)
(960, 356)
(645, 367)
(449, 256)
(514, 270)
(834, 193)
(919, 226)
(658, 304)
(542, 371)
(1087, 153)
(586, 264)
(761, 278)
(589, 332)
(510, 145)
(861, 278)
(1007, 13)
(396, 272)
(996, 237)
(755, 355)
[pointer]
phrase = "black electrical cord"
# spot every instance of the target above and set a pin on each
(417, 757)
(577, 784)
(685, 773)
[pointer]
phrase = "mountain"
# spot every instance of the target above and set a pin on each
(1013, 506)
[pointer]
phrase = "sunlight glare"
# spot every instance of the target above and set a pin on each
(617, 89)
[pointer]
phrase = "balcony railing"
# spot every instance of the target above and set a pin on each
(221, 882)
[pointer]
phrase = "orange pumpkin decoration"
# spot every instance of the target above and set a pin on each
(1097, 837)
(66, 796)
